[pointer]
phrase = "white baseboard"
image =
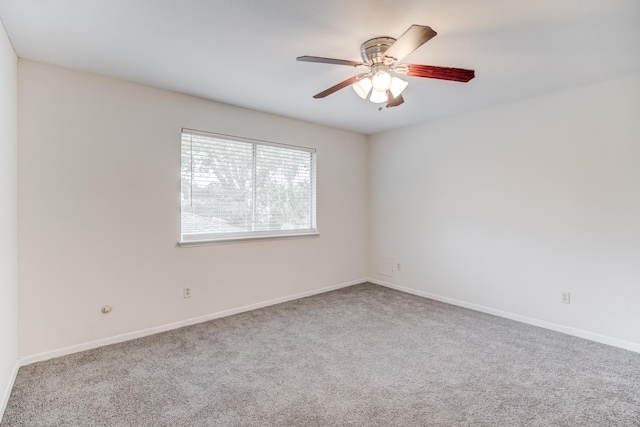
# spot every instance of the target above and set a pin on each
(627, 345)
(7, 391)
(27, 360)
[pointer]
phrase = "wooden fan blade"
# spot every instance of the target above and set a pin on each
(339, 86)
(442, 73)
(413, 38)
(394, 102)
(328, 61)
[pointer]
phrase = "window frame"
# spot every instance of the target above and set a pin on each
(243, 236)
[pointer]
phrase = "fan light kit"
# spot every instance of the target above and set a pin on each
(381, 55)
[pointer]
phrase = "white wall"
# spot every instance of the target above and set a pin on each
(99, 180)
(8, 217)
(501, 208)
(506, 207)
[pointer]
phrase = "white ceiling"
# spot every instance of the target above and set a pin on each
(243, 52)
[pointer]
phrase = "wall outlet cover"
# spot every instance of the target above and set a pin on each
(384, 266)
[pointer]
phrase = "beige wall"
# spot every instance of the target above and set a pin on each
(8, 217)
(499, 210)
(99, 180)
(504, 208)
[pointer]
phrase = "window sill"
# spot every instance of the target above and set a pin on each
(194, 243)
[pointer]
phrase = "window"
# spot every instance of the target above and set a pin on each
(233, 188)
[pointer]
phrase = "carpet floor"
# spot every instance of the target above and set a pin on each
(360, 356)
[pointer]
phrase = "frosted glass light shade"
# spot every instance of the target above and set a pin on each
(362, 87)
(381, 81)
(397, 86)
(378, 96)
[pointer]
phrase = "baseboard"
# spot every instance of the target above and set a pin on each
(27, 360)
(7, 391)
(627, 345)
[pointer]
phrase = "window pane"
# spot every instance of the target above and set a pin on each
(283, 189)
(245, 188)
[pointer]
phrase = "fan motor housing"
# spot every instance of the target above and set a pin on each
(372, 50)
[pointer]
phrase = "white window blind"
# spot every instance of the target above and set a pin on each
(238, 188)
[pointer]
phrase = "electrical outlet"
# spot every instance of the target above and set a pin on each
(186, 292)
(565, 297)
(397, 266)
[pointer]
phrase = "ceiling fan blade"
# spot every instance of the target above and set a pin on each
(328, 61)
(340, 85)
(442, 73)
(413, 38)
(394, 102)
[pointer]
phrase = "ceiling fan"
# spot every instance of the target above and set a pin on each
(382, 55)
